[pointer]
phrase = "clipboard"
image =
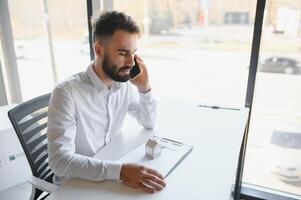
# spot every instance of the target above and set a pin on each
(172, 154)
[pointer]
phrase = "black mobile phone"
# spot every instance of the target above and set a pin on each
(135, 70)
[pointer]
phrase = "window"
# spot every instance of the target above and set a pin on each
(272, 160)
(191, 52)
(50, 42)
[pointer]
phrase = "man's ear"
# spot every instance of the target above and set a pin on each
(98, 49)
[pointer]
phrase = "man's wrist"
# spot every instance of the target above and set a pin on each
(144, 90)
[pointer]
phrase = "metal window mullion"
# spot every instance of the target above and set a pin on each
(260, 6)
(255, 52)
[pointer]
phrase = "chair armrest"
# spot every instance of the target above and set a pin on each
(42, 185)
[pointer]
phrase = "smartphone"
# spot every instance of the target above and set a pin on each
(135, 70)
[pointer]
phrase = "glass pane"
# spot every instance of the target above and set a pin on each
(274, 147)
(195, 50)
(68, 30)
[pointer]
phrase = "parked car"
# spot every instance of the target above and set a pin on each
(280, 65)
(281, 154)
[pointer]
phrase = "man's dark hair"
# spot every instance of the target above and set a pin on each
(110, 21)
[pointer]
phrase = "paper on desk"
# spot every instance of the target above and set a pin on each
(171, 155)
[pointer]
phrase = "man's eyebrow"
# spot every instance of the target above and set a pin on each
(126, 50)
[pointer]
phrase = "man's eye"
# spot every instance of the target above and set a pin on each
(122, 53)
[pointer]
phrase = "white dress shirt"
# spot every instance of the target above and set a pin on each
(83, 116)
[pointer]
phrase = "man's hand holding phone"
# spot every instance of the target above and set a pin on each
(140, 76)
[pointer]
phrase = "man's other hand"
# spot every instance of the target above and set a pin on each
(141, 177)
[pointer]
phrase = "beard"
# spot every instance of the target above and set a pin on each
(112, 70)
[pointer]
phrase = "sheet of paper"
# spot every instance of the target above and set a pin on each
(171, 155)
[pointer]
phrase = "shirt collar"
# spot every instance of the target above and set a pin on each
(96, 81)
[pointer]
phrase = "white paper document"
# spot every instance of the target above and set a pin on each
(172, 154)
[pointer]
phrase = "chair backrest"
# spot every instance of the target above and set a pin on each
(29, 120)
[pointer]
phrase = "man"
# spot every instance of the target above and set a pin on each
(87, 110)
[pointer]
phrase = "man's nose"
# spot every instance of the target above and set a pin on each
(131, 60)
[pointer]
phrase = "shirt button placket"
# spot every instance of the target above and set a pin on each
(107, 138)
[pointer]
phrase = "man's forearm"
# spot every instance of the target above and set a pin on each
(72, 165)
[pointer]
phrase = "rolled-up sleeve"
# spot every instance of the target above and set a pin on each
(61, 135)
(142, 106)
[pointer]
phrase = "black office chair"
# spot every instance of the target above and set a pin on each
(29, 120)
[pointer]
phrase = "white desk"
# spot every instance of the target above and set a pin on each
(207, 172)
